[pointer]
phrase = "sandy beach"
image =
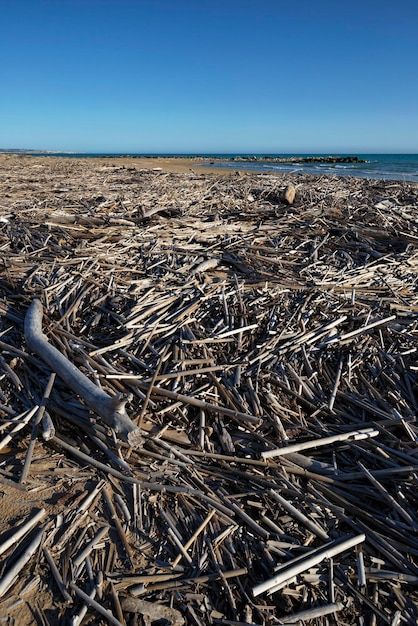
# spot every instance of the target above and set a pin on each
(179, 165)
(267, 354)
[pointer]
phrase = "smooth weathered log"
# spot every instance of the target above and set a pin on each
(111, 410)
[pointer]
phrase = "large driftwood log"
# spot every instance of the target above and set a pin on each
(111, 410)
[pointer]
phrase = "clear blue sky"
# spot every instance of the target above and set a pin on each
(209, 75)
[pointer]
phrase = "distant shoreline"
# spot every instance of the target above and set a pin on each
(374, 166)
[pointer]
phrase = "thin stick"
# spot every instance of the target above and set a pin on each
(78, 617)
(90, 546)
(57, 576)
(194, 536)
(290, 571)
(353, 333)
(315, 528)
(26, 419)
(203, 405)
(98, 607)
(116, 601)
(179, 545)
(354, 435)
(13, 572)
(335, 387)
(107, 493)
(309, 614)
(34, 433)
(5, 545)
(151, 386)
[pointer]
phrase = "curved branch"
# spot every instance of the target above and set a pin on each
(111, 410)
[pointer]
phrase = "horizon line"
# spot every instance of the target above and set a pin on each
(194, 153)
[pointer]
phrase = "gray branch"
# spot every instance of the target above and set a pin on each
(111, 410)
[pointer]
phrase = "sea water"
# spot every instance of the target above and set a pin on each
(377, 166)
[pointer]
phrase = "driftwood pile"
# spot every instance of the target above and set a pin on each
(268, 354)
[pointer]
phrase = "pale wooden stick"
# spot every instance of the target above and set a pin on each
(179, 545)
(12, 484)
(194, 536)
(202, 424)
(335, 387)
(26, 419)
(150, 388)
(226, 457)
(89, 499)
(107, 494)
(137, 508)
(123, 507)
(309, 614)
(198, 580)
(116, 602)
(90, 546)
(75, 523)
(236, 331)
(153, 612)
(354, 435)
(13, 572)
(315, 528)
(203, 405)
(78, 617)
(362, 581)
(57, 575)
(317, 556)
(98, 607)
(48, 427)
(5, 545)
(248, 520)
(169, 376)
(353, 333)
(167, 518)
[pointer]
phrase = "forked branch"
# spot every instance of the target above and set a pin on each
(111, 410)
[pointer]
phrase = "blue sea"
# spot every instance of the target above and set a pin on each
(377, 166)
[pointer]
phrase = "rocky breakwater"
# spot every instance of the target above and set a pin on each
(299, 159)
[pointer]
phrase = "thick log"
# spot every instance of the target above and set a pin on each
(111, 410)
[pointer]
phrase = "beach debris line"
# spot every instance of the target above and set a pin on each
(270, 354)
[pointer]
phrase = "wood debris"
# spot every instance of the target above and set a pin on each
(269, 355)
